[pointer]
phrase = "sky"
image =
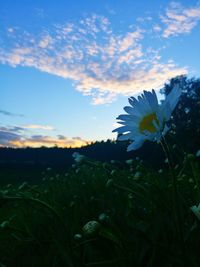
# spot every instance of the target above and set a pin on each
(68, 67)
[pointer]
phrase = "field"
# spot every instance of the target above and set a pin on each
(101, 214)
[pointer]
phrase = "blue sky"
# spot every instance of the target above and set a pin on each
(68, 67)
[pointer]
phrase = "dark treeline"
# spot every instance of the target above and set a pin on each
(185, 132)
(102, 151)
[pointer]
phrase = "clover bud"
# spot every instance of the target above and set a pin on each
(23, 186)
(103, 218)
(174, 146)
(91, 228)
(77, 237)
(129, 161)
(109, 183)
(113, 172)
(176, 167)
(198, 153)
(137, 175)
(4, 224)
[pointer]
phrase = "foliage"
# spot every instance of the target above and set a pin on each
(131, 204)
(185, 121)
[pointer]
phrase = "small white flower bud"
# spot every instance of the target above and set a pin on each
(129, 161)
(77, 237)
(4, 224)
(198, 153)
(137, 175)
(23, 186)
(91, 228)
(109, 183)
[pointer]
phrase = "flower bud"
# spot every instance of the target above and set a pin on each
(77, 237)
(198, 153)
(4, 224)
(103, 218)
(91, 228)
(129, 161)
(109, 183)
(23, 186)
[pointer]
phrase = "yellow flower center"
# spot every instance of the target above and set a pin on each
(146, 124)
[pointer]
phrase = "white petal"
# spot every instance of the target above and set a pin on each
(125, 117)
(166, 129)
(123, 129)
(173, 97)
(144, 104)
(133, 101)
(128, 136)
(152, 99)
(132, 111)
(137, 143)
(133, 124)
(166, 110)
(139, 108)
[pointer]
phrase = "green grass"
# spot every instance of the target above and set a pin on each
(133, 217)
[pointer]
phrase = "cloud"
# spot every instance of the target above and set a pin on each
(129, 40)
(40, 127)
(47, 141)
(101, 63)
(9, 138)
(45, 41)
(180, 20)
(13, 129)
(156, 28)
(7, 113)
(10, 30)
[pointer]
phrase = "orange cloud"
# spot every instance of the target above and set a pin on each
(48, 142)
(37, 126)
(14, 137)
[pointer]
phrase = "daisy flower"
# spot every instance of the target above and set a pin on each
(146, 118)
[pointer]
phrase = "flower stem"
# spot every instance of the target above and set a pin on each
(176, 206)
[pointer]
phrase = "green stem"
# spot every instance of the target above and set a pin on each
(195, 175)
(177, 212)
(128, 190)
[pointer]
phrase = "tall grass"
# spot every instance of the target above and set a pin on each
(100, 214)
